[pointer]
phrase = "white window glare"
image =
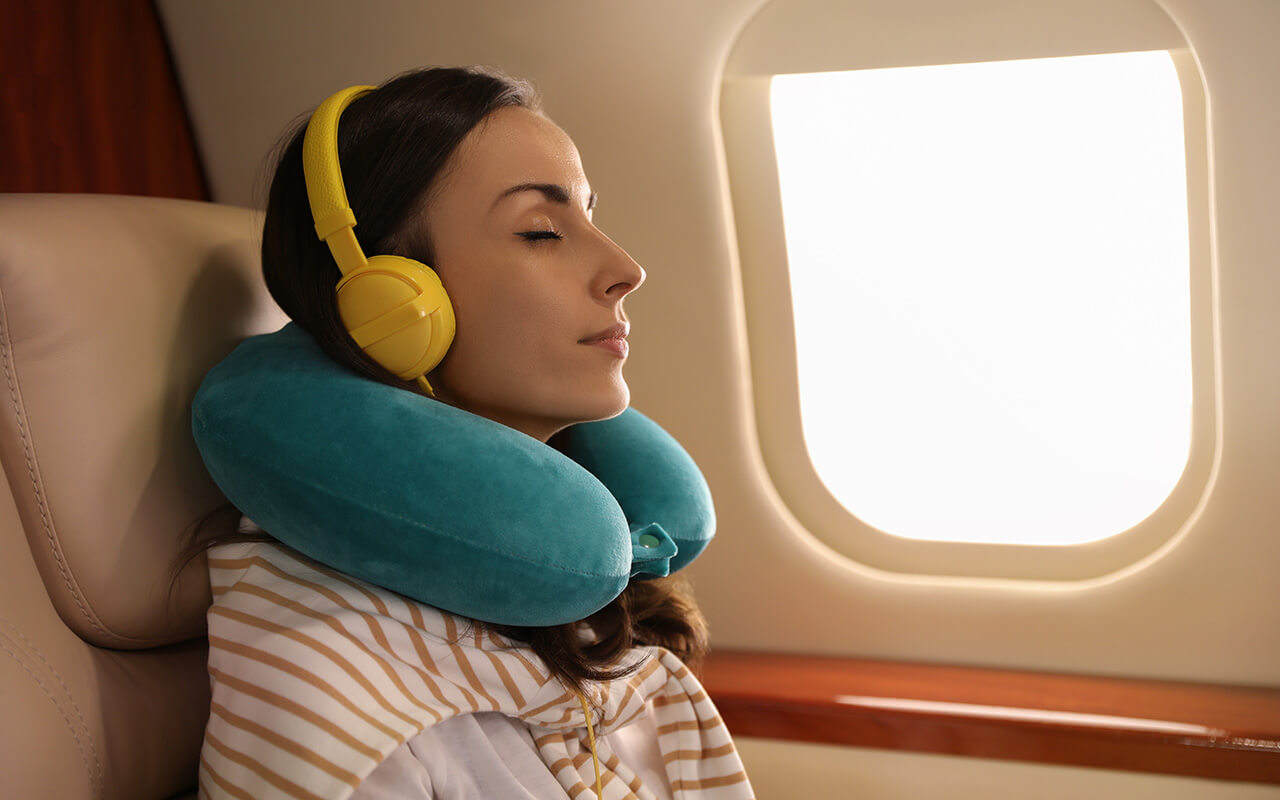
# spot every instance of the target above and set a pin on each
(990, 275)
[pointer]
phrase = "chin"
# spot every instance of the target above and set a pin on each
(605, 403)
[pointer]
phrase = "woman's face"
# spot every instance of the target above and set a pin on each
(532, 280)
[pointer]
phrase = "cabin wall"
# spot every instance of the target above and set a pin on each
(638, 87)
(91, 103)
(784, 770)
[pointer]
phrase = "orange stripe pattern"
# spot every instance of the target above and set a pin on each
(317, 677)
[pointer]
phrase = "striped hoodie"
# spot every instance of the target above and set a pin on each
(317, 677)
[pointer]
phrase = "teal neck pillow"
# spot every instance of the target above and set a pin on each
(440, 505)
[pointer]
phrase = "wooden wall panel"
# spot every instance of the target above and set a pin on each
(1200, 730)
(89, 102)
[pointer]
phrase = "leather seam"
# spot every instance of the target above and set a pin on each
(80, 746)
(84, 725)
(6, 349)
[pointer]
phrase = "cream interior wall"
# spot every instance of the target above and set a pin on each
(637, 86)
(787, 770)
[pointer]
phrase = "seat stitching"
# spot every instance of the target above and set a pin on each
(30, 646)
(6, 349)
(97, 786)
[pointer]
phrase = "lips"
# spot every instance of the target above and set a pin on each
(617, 346)
(618, 331)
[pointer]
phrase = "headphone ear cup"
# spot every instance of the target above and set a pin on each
(397, 311)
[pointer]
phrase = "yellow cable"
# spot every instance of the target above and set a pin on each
(592, 735)
(422, 381)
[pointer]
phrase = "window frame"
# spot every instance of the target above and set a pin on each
(746, 130)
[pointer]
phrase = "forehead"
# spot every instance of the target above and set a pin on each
(511, 146)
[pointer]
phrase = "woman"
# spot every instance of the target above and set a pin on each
(459, 169)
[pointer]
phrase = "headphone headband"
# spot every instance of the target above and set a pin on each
(325, 190)
(395, 308)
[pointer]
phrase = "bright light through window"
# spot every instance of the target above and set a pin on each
(990, 271)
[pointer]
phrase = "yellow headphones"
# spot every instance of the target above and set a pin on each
(395, 308)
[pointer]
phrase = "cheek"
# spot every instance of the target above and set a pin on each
(530, 315)
(510, 332)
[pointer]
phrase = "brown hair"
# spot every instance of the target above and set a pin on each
(393, 144)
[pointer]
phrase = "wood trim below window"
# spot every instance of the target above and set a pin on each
(1201, 730)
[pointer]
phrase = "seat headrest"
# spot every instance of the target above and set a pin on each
(112, 309)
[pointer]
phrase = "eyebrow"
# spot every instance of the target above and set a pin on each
(552, 191)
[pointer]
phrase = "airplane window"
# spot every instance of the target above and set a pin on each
(989, 268)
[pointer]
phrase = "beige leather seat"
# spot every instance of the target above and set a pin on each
(111, 311)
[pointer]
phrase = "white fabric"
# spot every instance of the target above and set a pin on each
(318, 677)
(488, 754)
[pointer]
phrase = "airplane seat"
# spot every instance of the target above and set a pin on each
(111, 311)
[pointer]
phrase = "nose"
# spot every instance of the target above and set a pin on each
(617, 274)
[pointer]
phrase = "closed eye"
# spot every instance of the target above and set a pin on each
(534, 236)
